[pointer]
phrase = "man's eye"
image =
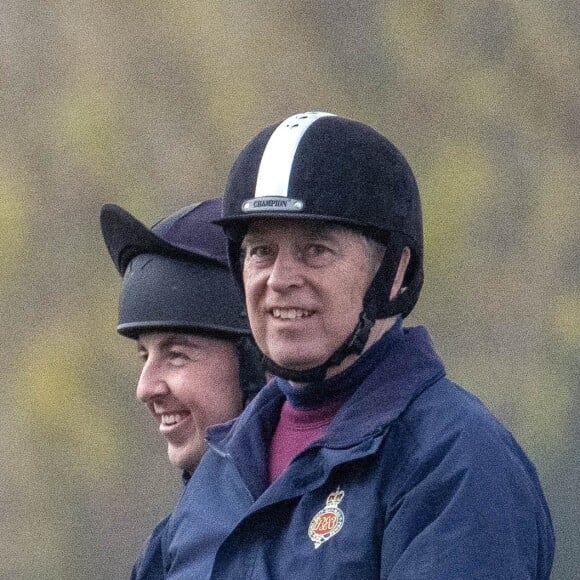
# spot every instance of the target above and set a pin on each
(318, 255)
(317, 250)
(177, 357)
(259, 251)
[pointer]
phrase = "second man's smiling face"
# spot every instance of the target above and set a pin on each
(188, 382)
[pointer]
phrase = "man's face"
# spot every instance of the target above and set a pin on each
(304, 283)
(188, 382)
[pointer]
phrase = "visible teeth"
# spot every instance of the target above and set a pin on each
(171, 419)
(290, 313)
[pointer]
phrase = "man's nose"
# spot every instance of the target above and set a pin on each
(151, 382)
(286, 272)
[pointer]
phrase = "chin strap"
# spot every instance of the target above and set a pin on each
(354, 344)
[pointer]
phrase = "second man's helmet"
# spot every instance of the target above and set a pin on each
(176, 278)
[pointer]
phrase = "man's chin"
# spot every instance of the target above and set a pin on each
(184, 461)
(303, 364)
(295, 364)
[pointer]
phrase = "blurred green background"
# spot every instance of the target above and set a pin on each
(147, 103)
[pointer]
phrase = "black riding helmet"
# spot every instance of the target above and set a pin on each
(176, 278)
(320, 166)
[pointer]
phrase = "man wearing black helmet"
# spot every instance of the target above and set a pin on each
(360, 459)
(179, 302)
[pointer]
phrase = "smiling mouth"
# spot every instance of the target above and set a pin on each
(171, 419)
(291, 313)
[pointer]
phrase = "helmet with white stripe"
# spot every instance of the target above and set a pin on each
(318, 166)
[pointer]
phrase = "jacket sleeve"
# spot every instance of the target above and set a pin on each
(149, 566)
(468, 506)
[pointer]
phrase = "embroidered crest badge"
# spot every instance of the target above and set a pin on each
(328, 521)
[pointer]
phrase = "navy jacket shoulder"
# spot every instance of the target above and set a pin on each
(150, 564)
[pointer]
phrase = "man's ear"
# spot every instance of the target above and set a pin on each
(400, 275)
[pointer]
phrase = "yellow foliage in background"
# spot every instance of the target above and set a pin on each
(61, 408)
(146, 104)
(13, 228)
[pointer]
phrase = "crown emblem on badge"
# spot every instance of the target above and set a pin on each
(328, 521)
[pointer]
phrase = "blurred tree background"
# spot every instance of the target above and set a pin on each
(146, 104)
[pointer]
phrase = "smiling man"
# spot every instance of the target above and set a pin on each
(297, 328)
(180, 304)
(360, 459)
(178, 368)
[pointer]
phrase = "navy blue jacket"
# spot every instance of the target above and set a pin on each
(149, 566)
(414, 479)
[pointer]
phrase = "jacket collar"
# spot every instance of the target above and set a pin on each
(409, 365)
(341, 386)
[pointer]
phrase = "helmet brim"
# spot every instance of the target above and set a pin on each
(160, 293)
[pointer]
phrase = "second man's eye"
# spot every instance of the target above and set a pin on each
(178, 358)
